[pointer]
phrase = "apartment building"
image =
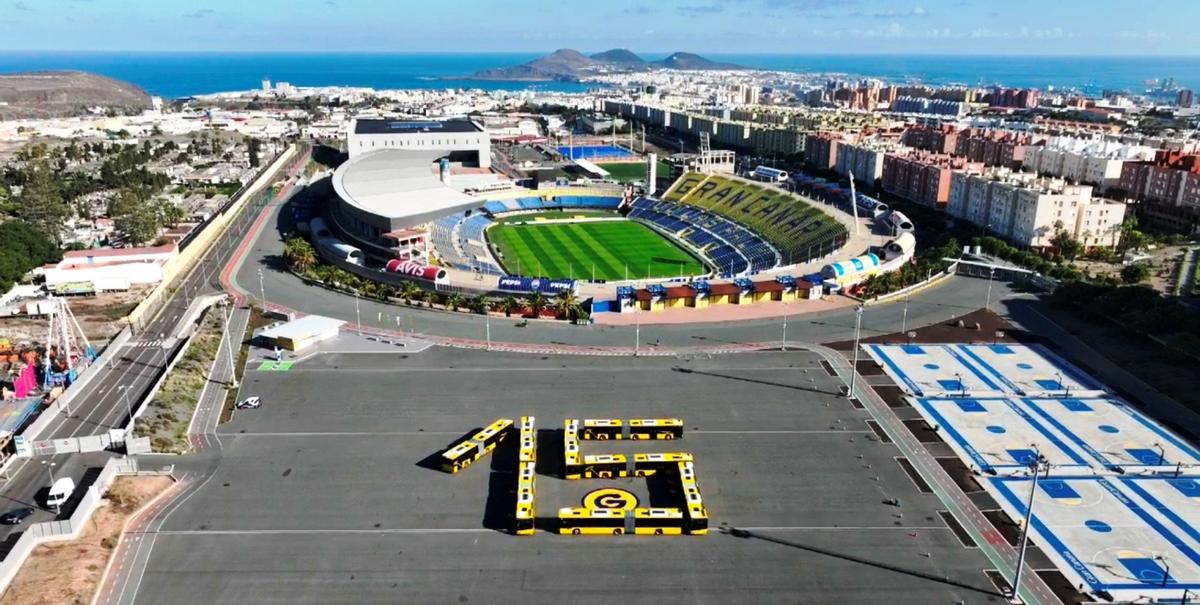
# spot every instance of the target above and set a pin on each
(1028, 210)
(864, 159)
(1089, 161)
(923, 177)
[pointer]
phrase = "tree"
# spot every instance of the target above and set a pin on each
(1135, 273)
(25, 247)
(254, 148)
(134, 216)
(409, 292)
(454, 301)
(536, 301)
(509, 304)
(478, 304)
(169, 213)
(1068, 247)
(41, 203)
(299, 254)
(567, 305)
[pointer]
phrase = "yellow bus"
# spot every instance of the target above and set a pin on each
(648, 464)
(526, 507)
(605, 466)
(527, 451)
(696, 514)
(467, 451)
(611, 521)
(635, 428)
(572, 456)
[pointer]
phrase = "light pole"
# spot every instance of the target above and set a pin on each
(904, 317)
(233, 381)
(987, 305)
(1037, 467)
(162, 349)
(125, 398)
(357, 312)
(783, 345)
(858, 313)
(262, 288)
(1162, 453)
(637, 327)
(1166, 569)
(487, 322)
(962, 386)
(50, 469)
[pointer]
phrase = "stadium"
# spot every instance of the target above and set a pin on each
(422, 200)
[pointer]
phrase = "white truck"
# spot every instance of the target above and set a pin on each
(60, 492)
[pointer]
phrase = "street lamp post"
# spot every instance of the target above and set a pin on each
(858, 313)
(783, 345)
(262, 288)
(487, 322)
(233, 381)
(357, 312)
(987, 305)
(637, 328)
(125, 398)
(50, 469)
(904, 317)
(1038, 461)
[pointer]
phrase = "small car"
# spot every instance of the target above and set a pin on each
(16, 517)
(250, 403)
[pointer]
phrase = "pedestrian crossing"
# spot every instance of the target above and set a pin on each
(157, 342)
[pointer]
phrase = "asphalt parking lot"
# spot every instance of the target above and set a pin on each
(324, 495)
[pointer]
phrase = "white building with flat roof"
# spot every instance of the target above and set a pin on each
(1095, 162)
(460, 137)
(1028, 210)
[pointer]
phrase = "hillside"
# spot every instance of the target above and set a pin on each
(619, 56)
(59, 93)
(692, 61)
(562, 64)
(572, 65)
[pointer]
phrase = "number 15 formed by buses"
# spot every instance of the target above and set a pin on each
(690, 517)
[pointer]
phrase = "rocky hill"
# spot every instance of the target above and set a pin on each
(619, 56)
(58, 93)
(572, 65)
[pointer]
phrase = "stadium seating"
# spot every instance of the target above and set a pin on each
(458, 242)
(797, 228)
(730, 247)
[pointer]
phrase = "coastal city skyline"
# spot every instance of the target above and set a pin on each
(1023, 27)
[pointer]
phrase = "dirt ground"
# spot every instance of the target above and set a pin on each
(100, 317)
(67, 573)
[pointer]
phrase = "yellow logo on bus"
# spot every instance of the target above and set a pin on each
(610, 498)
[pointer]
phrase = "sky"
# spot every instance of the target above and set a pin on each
(985, 27)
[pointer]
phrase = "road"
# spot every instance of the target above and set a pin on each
(107, 401)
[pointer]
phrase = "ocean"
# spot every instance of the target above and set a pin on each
(174, 75)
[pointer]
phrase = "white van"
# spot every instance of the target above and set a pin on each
(60, 492)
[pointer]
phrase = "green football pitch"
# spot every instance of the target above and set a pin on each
(610, 248)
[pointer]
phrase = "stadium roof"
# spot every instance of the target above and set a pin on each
(381, 126)
(398, 184)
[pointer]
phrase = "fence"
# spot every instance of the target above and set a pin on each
(69, 528)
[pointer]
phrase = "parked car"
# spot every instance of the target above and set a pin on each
(16, 517)
(250, 403)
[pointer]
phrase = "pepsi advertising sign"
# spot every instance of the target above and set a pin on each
(535, 284)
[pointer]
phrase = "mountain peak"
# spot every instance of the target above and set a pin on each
(619, 56)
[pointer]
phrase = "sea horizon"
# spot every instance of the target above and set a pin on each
(176, 74)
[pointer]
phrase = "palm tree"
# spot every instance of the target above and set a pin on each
(509, 304)
(454, 301)
(536, 301)
(568, 305)
(409, 292)
(479, 304)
